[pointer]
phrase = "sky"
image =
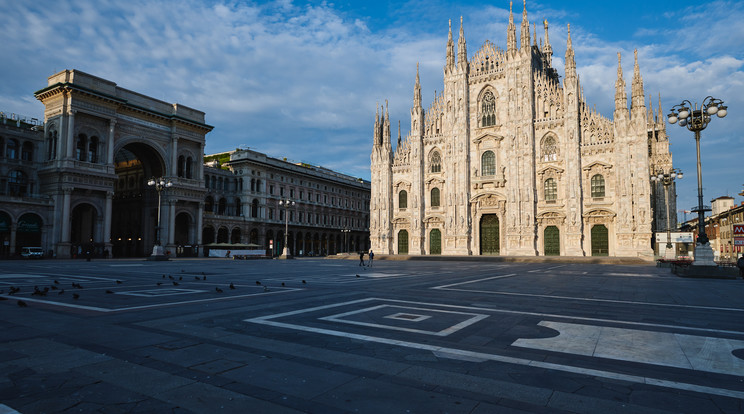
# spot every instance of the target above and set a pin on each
(301, 79)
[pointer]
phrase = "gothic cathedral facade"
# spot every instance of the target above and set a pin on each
(509, 161)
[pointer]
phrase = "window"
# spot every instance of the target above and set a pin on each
(281, 191)
(550, 190)
(436, 162)
(488, 163)
(27, 151)
(18, 183)
(181, 166)
(403, 199)
(488, 110)
(435, 197)
(80, 147)
(253, 184)
(11, 151)
(206, 181)
(549, 150)
(254, 208)
(189, 167)
(271, 189)
(598, 186)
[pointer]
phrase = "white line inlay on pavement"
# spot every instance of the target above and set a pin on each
(699, 353)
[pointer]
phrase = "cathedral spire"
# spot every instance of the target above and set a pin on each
(534, 35)
(376, 137)
(462, 50)
(621, 97)
(524, 39)
(417, 90)
(570, 61)
(386, 127)
(511, 33)
(660, 116)
(398, 145)
(450, 50)
(547, 49)
(638, 96)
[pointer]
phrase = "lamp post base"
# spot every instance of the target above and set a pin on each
(704, 255)
(285, 255)
(158, 253)
(670, 253)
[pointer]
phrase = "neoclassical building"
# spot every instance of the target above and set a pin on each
(509, 160)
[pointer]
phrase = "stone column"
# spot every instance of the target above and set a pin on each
(174, 155)
(63, 247)
(199, 224)
(107, 222)
(110, 147)
(70, 134)
(171, 222)
(13, 231)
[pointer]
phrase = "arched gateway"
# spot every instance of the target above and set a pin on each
(111, 141)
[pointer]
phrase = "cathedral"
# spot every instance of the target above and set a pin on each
(509, 160)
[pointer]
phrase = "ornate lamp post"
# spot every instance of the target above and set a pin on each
(160, 184)
(345, 232)
(667, 178)
(696, 120)
(286, 203)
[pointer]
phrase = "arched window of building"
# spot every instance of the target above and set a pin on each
(93, 150)
(436, 162)
(181, 166)
(402, 199)
(549, 150)
(17, 183)
(435, 197)
(488, 163)
(488, 110)
(254, 208)
(222, 208)
(209, 205)
(52, 145)
(214, 182)
(80, 147)
(238, 207)
(27, 151)
(550, 190)
(253, 184)
(206, 181)
(258, 186)
(189, 167)
(598, 185)
(11, 151)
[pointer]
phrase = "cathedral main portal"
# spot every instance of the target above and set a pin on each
(489, 234)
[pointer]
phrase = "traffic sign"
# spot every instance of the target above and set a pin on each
(739, 229)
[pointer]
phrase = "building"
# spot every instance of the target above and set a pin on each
(719, 227)
(508, 160)
(330, 212)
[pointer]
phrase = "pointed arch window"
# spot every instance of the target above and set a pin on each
(402, 199)
(435, 197)
(488, 110)
(488, 163)
(550, 190)
(436, 162)
(598, 185)
(549, 149)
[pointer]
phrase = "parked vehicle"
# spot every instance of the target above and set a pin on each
(32, 252)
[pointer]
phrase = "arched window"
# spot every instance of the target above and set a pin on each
(80, 147)
(598, 186)
(488, 163)
(52, 145)
(435, 197)
(436, 162)
(258, 186)
(254, 208)
(488, 110)
(181, 166)
(93, 150)
(253, 184)
(214, 182)
(549, 150)
(209, 205)
(238, 207)
(402, 199)
(189, 167)
(17, 183)
(11, 151)
(27, 151)
(206, 181)
(222, 208)
(550, 190)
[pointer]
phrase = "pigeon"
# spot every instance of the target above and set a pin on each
(109, 291)
(282, 283)
(232, 286)
(22, 304)
(303, 281)
(170, 277)
(357, 275)
(56, 282)
(119, 282)
(13, 290)
(218, 289)
(75, 296)
(266, 288)
(196, 278)
(61, 291)
(160, 283)
(163, 276)
(258, 283)
(180, 277)
(204, 278)
(54, 287)
(175, 283)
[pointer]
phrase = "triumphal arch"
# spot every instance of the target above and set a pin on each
(102, 144)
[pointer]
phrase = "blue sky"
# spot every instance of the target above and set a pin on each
(301, 79)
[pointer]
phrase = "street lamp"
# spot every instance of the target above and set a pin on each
(345, 232)
(696, 120)
(286, 203)
(160, 184)
(667, 178)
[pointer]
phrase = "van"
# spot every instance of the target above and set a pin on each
(32, 252)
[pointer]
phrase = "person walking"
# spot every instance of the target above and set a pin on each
(371, 257)
(361, 258)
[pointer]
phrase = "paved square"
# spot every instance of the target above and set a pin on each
(327, 336)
